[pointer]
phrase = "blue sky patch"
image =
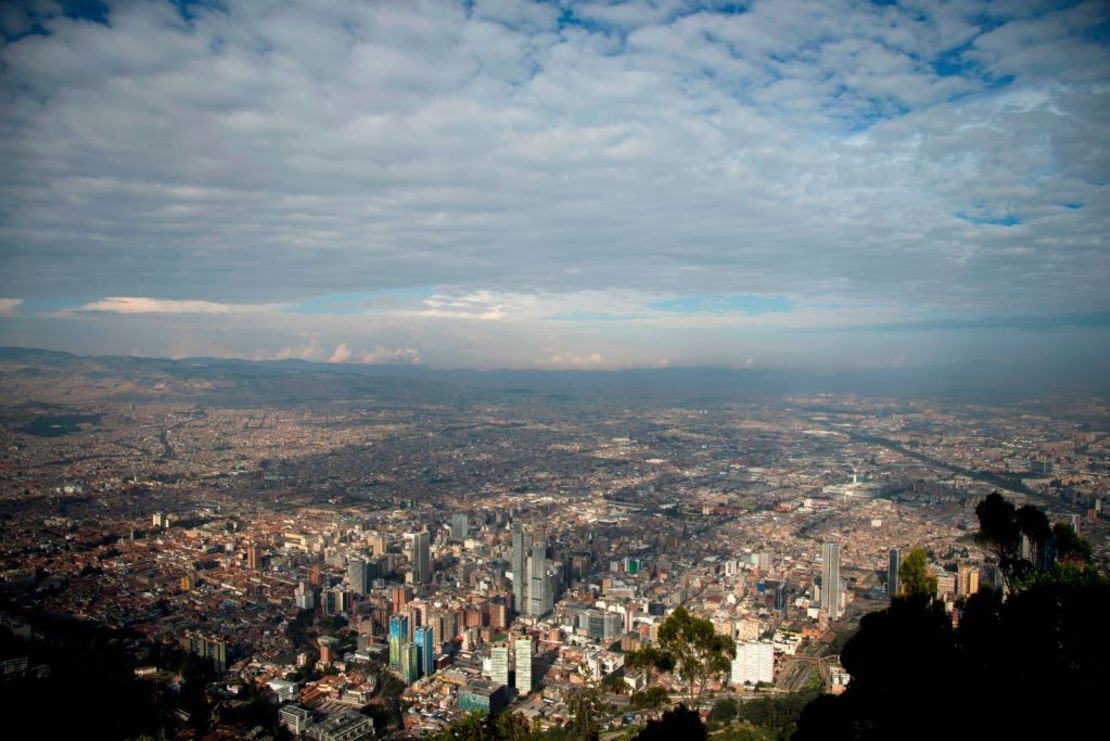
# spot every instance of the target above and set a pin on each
(723, 304)
(359, 303)
(1007, 220)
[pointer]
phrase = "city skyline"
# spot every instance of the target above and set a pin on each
(558, 184)
(296, 534)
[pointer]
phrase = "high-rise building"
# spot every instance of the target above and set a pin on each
(600, 626)
(425, 650)
(523, 679)
(377, 544)
(410, 663)
(893, 581)
(421, 557)
(335, 601)
(499, 664)
(254, 556)
(208, 647)
(399, 597)
(304, 597)
(830, 580)
(459, 526)
(327, 648)
(398, 636)
(356, 575)
(754, 663)
(518, 564)
(539, 589)
(967, 580)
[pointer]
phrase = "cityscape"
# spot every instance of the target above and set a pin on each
(494, 553)
(554, 370)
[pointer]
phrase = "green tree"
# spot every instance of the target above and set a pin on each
(914, 575)
(650, 658)
(515, 727)
(652, 697)
(724, 710)
(471, 727)
(699, 653)
(586, 711)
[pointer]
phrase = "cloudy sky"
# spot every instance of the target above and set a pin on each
(505, 183)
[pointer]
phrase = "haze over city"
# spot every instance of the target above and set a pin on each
(558, 184)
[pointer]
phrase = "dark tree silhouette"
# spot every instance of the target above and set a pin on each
(1033, 523)
(999, 533)
(1070, 548)
(680, 722)
(1028, 666)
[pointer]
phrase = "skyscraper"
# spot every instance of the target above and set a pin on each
(398, 636)
(539, 592)
(523, 681)
(459, 526)
(830, 580)
(356, 575)
(893, 582)
(304, 597)
(499, 664)
(410, 663)
(518, 564)
(425, 653)
(421, 558)
(335, 601)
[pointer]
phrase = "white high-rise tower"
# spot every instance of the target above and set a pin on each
(830, 580)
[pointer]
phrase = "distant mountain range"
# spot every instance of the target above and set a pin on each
(294, 381)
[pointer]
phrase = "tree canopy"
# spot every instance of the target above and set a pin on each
(479, 727)
(914, 575)
(699, 653)
(586, 711)
(650, 658)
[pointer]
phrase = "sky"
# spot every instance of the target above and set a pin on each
(515, 184)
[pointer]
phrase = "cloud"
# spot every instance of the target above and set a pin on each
(562, 361)
(308, 350)
(379, 355)
(141, 305)
(479, 305)
(499, 178)
(341, 355)
(398, 355)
